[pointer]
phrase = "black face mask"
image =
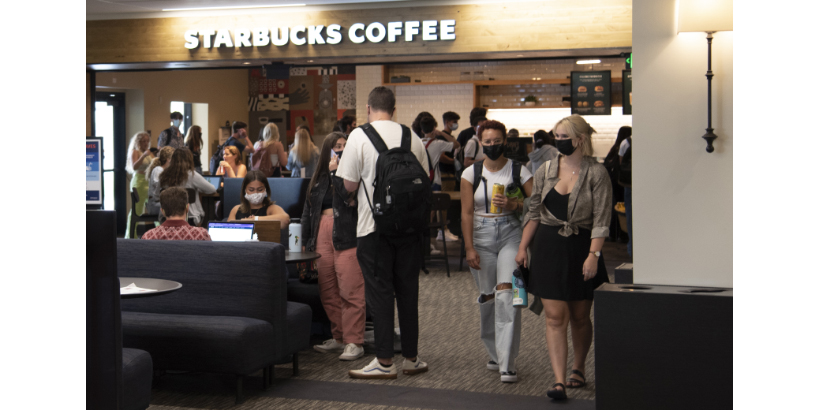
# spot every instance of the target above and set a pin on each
(493, 152)
(339, 153)
(565, 146)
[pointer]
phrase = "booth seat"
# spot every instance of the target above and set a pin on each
(230, 316)
(289, 193)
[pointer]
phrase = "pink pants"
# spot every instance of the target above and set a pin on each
(341, 286)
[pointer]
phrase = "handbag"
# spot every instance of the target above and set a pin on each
(307, 272)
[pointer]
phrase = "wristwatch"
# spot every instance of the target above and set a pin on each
(596, 253)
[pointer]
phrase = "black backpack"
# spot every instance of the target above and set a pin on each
(401, 190)
(218, 157)
(625, 174)
(478, 169)
(461, 155)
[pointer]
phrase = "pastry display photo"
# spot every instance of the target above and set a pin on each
(582, 89)
(599, 88)
(599, 103)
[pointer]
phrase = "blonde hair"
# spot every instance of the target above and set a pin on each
(134, 145)
(270, 134)
(304, 146)
(577, 127)
(235, 152)
(163, 156)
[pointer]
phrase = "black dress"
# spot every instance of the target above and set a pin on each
(558, 261)
(263, 211)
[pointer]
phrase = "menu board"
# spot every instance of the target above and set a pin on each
(627, 99)
(516, 148)
(591, 92)
(93, 171)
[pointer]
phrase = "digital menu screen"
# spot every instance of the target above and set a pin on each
(591, 92)
(627, 99)
(93, 171)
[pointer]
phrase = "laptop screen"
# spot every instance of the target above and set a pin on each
(230, 231)
(213, 179)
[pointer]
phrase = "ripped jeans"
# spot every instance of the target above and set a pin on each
(496, 242)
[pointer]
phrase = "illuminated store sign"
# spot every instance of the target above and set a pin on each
(429, 30)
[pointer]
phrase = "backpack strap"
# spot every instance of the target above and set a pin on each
(478, 168)
(375, 138)
(516, 172)
(405, 138)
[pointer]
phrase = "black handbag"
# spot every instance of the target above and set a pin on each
(307, 272)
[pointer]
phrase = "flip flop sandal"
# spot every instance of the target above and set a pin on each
(574, 383)
(557, 394)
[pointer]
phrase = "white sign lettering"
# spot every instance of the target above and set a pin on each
(358, 33)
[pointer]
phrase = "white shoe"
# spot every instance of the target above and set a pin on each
(439, 237)
(509, 377)
(491, 365)
(411, 368)
(374, 370)
(352, 352)
(329, 345)
(434, 251)
(450, 236)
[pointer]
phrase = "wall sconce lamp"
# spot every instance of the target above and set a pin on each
(708, 16)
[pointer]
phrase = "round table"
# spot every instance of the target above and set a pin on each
(295, 257)
(162, 287)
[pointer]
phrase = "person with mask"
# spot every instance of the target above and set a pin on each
(450, 120)
(447, 164)
(543, 151)
(329, 221)
(491, 241)
(255, 203)
(175, 208)
(172, 137)
(435, 147)
(568, 219)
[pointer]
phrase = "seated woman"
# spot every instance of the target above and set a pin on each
(231, 166)
(181, 173)
(174, 202)
(158, 164)
(255, 203)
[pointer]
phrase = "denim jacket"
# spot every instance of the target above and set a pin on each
(345, 217)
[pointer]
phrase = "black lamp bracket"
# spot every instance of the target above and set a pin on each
(709, 136)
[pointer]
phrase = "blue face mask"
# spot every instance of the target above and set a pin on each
(176, 123)
(454, 126)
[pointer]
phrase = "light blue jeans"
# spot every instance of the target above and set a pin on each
(496, 241)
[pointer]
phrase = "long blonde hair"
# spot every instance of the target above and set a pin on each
(304, 146)
(134, 145)
(270, 134)
(577, 127)
(164, 155)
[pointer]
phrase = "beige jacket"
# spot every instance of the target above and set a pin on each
(590, 202)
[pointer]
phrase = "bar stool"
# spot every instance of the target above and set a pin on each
(139, 219)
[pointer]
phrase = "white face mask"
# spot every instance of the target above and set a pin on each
(257, 198)
(454, 126)
(175, 122)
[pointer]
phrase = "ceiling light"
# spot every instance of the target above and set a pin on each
(113, 95)
(310, 61)
(236, 7)
(246, 63)
(588, 62)
(520, 55)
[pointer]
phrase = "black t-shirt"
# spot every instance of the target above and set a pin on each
(465, 136)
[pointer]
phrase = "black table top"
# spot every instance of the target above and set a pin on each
(293, 257)
(162, 287)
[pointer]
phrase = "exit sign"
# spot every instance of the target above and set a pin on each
(629, 61)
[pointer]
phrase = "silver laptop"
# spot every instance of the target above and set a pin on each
(230, 231)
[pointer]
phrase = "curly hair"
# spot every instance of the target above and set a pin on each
(492, 125)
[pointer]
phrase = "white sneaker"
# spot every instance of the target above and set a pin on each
(329, 345)
(434, 251)
(411, 368)
(450, 236)
(439, 237)
(509, 377)
(352, 352)
(491, 365)
(374, 370)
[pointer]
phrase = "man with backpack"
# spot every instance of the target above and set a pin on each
(386, 167)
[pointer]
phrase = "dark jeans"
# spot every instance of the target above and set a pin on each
(397, 272)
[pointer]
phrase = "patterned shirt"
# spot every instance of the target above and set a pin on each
(171, 137)
(177, 230)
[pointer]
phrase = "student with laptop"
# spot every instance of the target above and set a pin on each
(175, 207)
(255, 203)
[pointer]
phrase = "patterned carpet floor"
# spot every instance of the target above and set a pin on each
(448, 342)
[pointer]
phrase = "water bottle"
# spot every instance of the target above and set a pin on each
(519, 288)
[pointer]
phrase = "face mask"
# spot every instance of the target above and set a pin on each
(494, 152)
(565, 146)
(176, 123)
(257, 198)
(339, 153)
(454, 126)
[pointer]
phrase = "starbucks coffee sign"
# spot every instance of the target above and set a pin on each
(407, 31)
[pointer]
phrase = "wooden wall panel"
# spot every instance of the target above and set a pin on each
(531, 26)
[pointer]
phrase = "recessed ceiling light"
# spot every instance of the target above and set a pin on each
(588, 62)
(236, 7)
(520, 55)
(310, 61)
(246, 63)
(113, 95)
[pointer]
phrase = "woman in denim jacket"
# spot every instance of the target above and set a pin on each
(329, 223)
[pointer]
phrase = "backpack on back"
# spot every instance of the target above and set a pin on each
(260, 161)
(401, 189)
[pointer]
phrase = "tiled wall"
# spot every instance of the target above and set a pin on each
(368, 77)
(435, 99)
(552, 69)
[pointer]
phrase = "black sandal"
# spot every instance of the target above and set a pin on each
(556, 394)
(574, 383)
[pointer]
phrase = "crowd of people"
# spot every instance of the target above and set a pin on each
(549, 219)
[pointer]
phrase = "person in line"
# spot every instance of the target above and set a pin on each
(543, 151)
(139, 159)
(491, 241)
(625, 180)
(329, 227)
(416, 125)
(171, 136)
(292, 140)
(450, 120)
(395, 279)
(304, 155)
(476, 114)
(255, 203)
(512, 133)
(472, 149)
(231, 165)
(193, 141)
(181, 173)
(239, 139)
(568, 220)
(348, 124)
(446, 164)
(174, 202)
(272, 147)
(612, 163)
(436, 148)
(162, 161)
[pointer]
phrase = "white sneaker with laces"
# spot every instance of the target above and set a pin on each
(329, 345)
(434, 251)
(374, 370)
(411, 368)
(352, 352)
(439, 237)
(450, 236)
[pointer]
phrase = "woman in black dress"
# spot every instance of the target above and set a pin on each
(569, 214)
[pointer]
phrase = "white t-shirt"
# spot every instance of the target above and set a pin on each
(435, 149)
(503, 176)
(470, 149)
(359, 164)
(623, 148)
